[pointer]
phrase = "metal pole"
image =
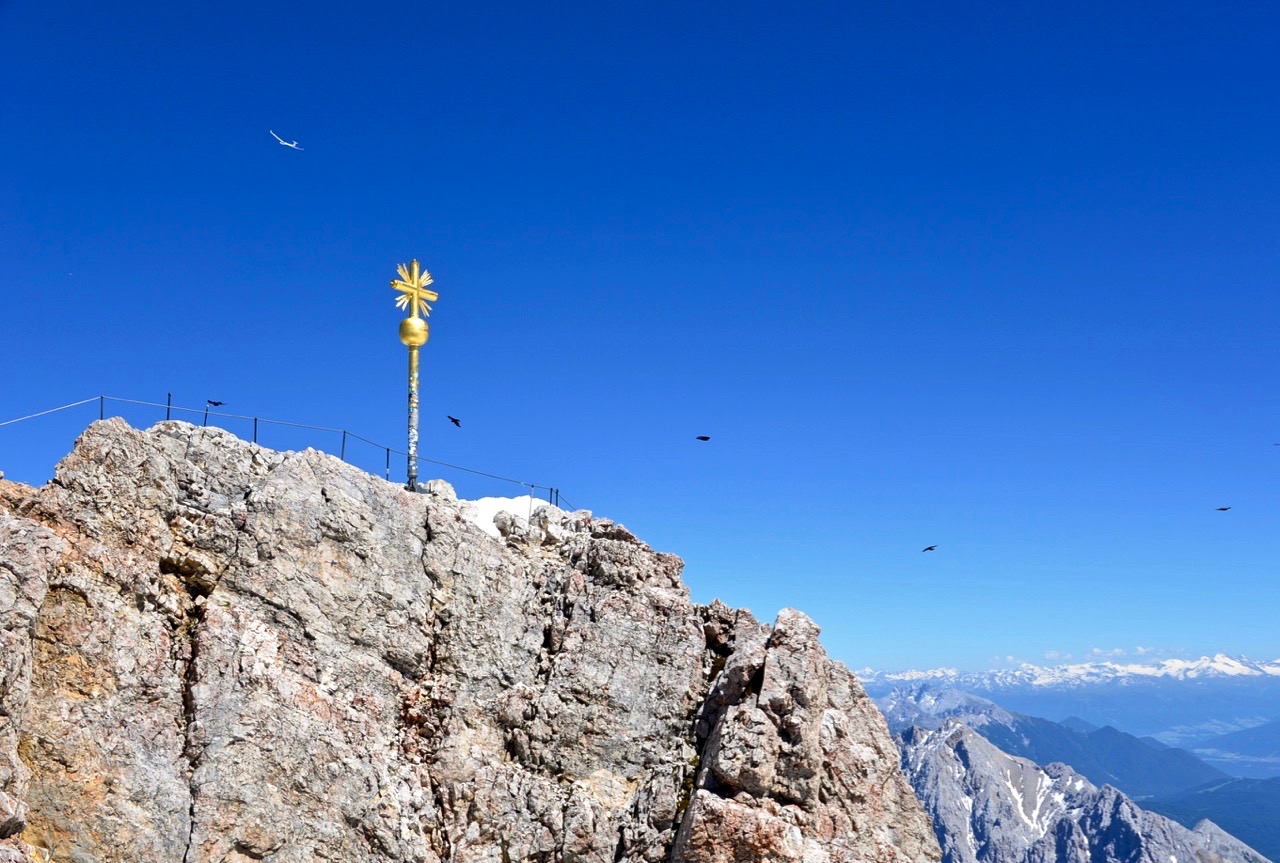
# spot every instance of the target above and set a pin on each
(206, 415)
(102, 407)
(343, 454)
(414, 333)
(388, 474)
(255, 429)
(413, 418)
(168, 406)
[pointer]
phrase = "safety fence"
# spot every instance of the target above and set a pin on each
(345, 439)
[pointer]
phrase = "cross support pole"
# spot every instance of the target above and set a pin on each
(413, 418)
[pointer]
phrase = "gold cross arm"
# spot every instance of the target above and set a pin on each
(412, 286)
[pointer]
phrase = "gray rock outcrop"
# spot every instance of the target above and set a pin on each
(991, 807)
(216, 652)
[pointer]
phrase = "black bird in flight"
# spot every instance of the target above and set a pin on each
(212, 403)
(455, 421)
(704, 437)
(929, 548)
(1223, 508)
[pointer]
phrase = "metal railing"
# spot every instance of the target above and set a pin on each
(552, 493)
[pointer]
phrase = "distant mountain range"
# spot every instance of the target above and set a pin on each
(1103, 755)
(1179, 702)
(1167, 780)
(1082, 674)
(991, 807)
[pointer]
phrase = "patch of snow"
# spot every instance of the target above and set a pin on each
(970, 839)
(480, 512)
(1020, 802)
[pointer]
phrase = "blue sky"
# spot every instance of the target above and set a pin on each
(999, 279)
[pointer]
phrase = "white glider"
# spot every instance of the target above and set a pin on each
(283, 142)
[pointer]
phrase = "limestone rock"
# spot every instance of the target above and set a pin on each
(27, 553)
(796, 766)
(215, 652)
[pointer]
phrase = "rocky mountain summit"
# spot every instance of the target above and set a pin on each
(991, 807)
(210, 651)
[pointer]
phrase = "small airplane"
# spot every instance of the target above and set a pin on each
(283, 142)
(703, 437)
(929, 548)
(455, 421)
(1223, 508)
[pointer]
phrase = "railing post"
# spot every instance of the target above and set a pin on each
(255, 429)
(343, 453)
(388, 449)
(102, 407)
(168, 406)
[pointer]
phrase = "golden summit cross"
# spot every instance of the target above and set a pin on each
(412, 286)
(414, 332)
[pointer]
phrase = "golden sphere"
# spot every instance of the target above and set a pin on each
(414, 332)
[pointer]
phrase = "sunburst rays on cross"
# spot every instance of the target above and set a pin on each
(412, 286)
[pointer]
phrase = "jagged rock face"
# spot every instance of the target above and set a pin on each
(215, 652)
(991, 807)
(27, 552)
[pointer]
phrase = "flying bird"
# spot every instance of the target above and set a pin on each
(929, 548)
(704, 437)
(284, 143)
(1223, 508)
(212, 403)
(455, 421)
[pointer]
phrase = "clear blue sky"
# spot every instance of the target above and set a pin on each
(1001, 278)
